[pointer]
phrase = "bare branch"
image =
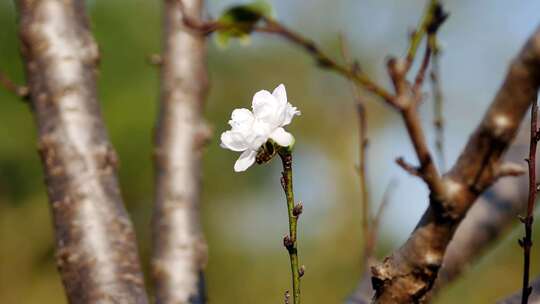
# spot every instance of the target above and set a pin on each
(526, 241)
(491, 216)
(179, 248)
(364, 292)
(489, 219)
(96, 250)
(412, 170)
(9, 85)
(436, 88)
(421, 75)
(408, 274)
(434, 17)
(363, 142)
(534, 297)
(382, 207)
(272, 26)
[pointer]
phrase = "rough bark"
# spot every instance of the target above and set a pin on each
(534, 297)
(179, 254)
(493, 214)
(409, 273)
(96, 250)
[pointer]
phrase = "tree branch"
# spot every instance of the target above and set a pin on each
(438, 100)
(9, 85)
(487, 221)
(409, 273)
(96, 250)
(491, 216)
(534, 297)
(179, 248)
(274, 27)
(526, 241)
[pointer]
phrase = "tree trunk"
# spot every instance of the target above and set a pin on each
(179, 250)
(96, 249)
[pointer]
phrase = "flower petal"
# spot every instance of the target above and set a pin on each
(259, 133)
(282, 137)
(290, 112)
(233, 141)
(240, 118)
(264, 104)
(245, 160)
(280, 93)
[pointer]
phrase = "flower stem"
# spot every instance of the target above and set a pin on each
(294, 211)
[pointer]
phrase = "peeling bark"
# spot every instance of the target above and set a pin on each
(409, 273)
(179, 255)
(96, 250)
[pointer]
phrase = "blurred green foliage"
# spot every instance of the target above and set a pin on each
(239, 20)
(243, 214)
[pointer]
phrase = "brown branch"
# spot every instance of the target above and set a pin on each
(406, 101)
(350, 72)
(412, 170)
(409, 273)
(419, 79)
(492, 215)
(488, 220)
(10, 86)
(179, 248)
(526, 241)
(403, 101)
(434, 17)
(370, 226)
(376, 221)
(364, 292)
(96, 250)
(363, 142)
(438, 117)
(271, 26)
(534, 297)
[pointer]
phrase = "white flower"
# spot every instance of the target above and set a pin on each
(250, 130)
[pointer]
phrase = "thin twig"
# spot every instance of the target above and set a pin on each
(9, 85)
(429, 23)
(515, 298)
(438, 117)
(419, 79)
(325, 61)
(362, 156)
(271, 26)
(375, 222)
(294, 211)
(364, 292)
(407, 97)
(526, 242)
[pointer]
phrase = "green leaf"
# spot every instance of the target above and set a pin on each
(240, 20)
(262, 7)
(222, 39)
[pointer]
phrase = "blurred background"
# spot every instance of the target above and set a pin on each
(244, 215)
